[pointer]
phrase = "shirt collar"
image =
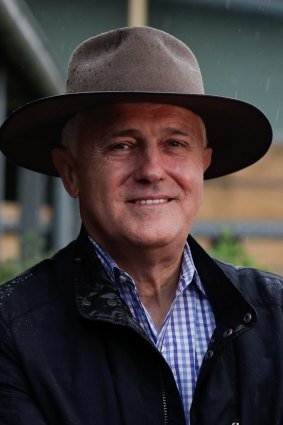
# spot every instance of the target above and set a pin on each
(188, 270)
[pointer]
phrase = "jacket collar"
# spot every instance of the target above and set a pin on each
(228, 303)
(98, 299)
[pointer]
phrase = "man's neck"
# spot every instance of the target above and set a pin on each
(156, 275)
(157, 291)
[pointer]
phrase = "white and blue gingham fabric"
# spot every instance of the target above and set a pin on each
(187, 328)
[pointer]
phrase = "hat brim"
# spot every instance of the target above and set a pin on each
(238, 132)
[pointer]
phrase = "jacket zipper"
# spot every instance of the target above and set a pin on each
(164, 400)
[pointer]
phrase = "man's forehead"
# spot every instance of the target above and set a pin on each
(119, 112)
(136, 119)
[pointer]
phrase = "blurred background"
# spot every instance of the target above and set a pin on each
(238, 44)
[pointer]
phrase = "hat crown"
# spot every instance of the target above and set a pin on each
(134, 59)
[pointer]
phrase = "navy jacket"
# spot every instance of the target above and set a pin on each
(71, 354)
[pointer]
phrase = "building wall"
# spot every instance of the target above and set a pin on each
(252, 198)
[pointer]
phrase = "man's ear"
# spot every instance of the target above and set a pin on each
(207, 155)
(65, 164)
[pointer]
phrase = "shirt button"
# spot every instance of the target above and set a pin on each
(163, 349)
(227, 333)
(122, 278)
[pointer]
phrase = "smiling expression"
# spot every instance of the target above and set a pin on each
(138, 173)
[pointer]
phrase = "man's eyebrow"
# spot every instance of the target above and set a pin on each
(137, 133)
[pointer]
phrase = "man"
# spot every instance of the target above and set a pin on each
(133, 323)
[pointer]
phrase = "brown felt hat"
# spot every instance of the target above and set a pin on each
(136, 64)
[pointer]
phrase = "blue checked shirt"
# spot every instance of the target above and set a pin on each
(187, 328)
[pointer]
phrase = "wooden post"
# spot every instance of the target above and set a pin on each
(137, 12)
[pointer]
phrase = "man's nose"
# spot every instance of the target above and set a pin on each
(149, 166)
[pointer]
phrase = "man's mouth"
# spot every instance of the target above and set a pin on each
(150, 201)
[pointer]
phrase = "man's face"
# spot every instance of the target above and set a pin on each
(138, 174)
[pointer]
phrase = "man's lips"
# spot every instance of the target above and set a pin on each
(150, 201)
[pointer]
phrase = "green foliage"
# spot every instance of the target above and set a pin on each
(227, 248)
(12, 268)
(32, 247)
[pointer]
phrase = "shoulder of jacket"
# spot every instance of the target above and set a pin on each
(261, 287)
(33, 287)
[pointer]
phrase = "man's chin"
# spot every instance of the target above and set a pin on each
(152, 242)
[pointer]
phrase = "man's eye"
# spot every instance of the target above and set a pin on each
(119, 146)
(175, 143)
